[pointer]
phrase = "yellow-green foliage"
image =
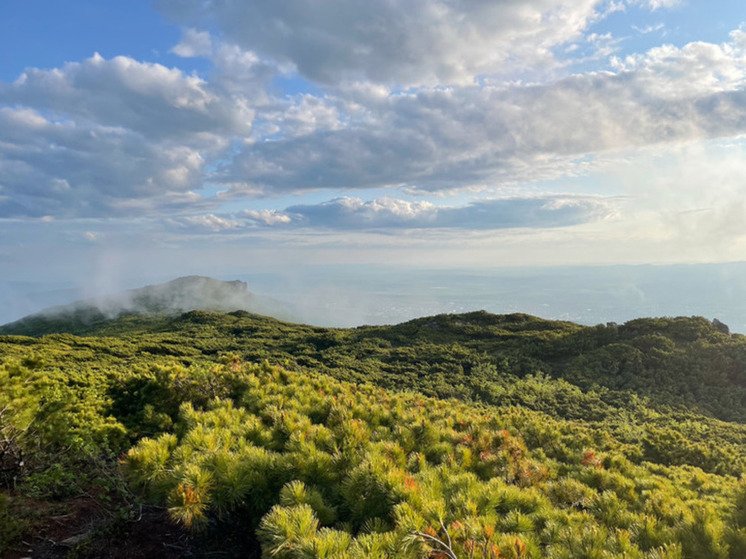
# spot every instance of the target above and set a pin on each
(329, 469)
(52, 423)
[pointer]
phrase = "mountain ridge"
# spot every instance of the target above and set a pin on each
(682, 360)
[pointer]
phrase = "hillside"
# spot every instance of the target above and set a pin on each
(536, 438)
(688, 362)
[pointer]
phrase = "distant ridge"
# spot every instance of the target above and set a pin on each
(181, 295)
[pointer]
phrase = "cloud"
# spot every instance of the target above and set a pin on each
(397, 42)
(64, 169)
(506, 213)
(209, 222)
(235, 71)
(354, 214)
(695, 70)
(649, 28)
(111, 137)
(659, 4)
(148, 98)
(266, 217)
(120, 137)
(441, 139)
(193, 43)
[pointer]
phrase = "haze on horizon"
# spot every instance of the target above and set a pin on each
(148, 140)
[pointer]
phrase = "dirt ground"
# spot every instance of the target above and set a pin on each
(81, 528)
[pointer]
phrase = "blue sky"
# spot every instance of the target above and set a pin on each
(195, 136)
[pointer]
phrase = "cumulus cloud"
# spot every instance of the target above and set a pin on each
(239, 222)
(354, 213)
(444, 139)
(110, 137)
(695, 70)
(148, 98)
(235, 71)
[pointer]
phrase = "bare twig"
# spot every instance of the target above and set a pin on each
(450, 543)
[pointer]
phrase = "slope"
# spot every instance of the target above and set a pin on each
(239, 455)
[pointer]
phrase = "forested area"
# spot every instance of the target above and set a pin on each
(470, 435)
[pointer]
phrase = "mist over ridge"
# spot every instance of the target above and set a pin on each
(176, 296)
(349, 296)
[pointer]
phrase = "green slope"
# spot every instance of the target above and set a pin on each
(622, 439)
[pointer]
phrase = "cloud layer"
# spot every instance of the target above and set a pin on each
(404, 42)
(445, 139)
(354, 214)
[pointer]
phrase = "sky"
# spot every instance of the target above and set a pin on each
(146, 140)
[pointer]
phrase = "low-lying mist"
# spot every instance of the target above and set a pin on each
(351, 296)
(176, 296)
(342, 296)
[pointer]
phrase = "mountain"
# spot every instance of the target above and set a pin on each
(174, 297)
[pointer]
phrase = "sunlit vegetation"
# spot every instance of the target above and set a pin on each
(469, 436)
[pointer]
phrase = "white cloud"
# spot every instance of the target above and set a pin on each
(147, 98)
(209, 222)
(266, 217)
(423, 98)
(354, 213)
(694, 70)
(487, 214)
(123, 137)
(193, 43)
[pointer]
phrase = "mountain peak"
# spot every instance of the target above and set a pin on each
(188, 293)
